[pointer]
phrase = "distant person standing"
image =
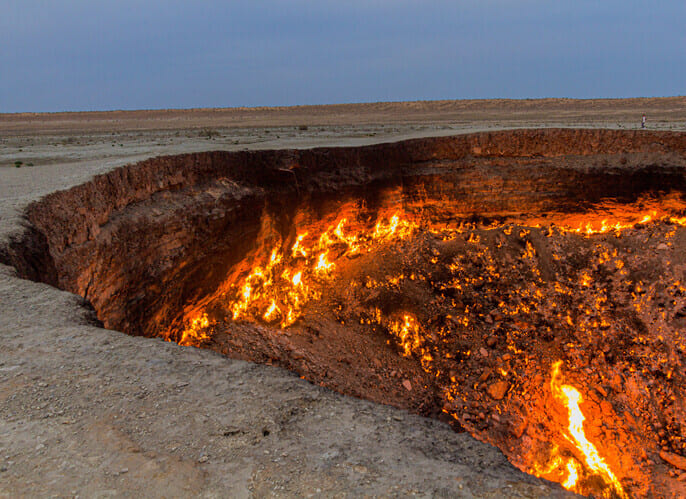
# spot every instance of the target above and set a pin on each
(643, 121)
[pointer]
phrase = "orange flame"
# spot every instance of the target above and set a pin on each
(194, 335)
(279, 289)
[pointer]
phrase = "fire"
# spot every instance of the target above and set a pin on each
(408, 333)
(573, 476)
(195, 334)
(624, 218)
(570, 397)
(280, 288)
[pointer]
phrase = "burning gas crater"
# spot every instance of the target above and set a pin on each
(549, 341)
(528, 286)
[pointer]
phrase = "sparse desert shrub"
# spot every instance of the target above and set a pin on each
(18, 164)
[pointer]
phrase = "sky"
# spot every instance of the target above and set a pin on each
(82, 55)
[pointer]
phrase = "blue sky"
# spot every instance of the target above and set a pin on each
(69, 55)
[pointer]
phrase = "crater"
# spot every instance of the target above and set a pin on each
(525, 286)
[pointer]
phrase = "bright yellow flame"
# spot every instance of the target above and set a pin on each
(408, 333)
(323, 264)
(571, 398)
(194, 334)
(573, 477)
(280, 287)
(269, 314)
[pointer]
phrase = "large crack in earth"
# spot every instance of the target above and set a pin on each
(510, 283)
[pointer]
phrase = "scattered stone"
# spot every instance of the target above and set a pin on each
(674, 459)
(483, 352)
(407, 385)
(498, 389)
(203, 459)
(606, 407)
(491, 341)
(662, 246)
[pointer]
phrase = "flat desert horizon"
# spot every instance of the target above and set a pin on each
(623, 112)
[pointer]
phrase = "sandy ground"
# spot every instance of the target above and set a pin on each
(90, 412)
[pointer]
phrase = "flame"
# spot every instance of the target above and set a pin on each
(573, 476)
(323, 264)
(194, 335)
(409, 334)
(571, 398)
(281, 287)
(624, 219)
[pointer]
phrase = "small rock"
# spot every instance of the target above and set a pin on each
(485, 375)
(407, 385)
(491, 341)
(483, 352)
(674, 459)
(606, 407)
(203, 459)
(662, 246)
(498, 389)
